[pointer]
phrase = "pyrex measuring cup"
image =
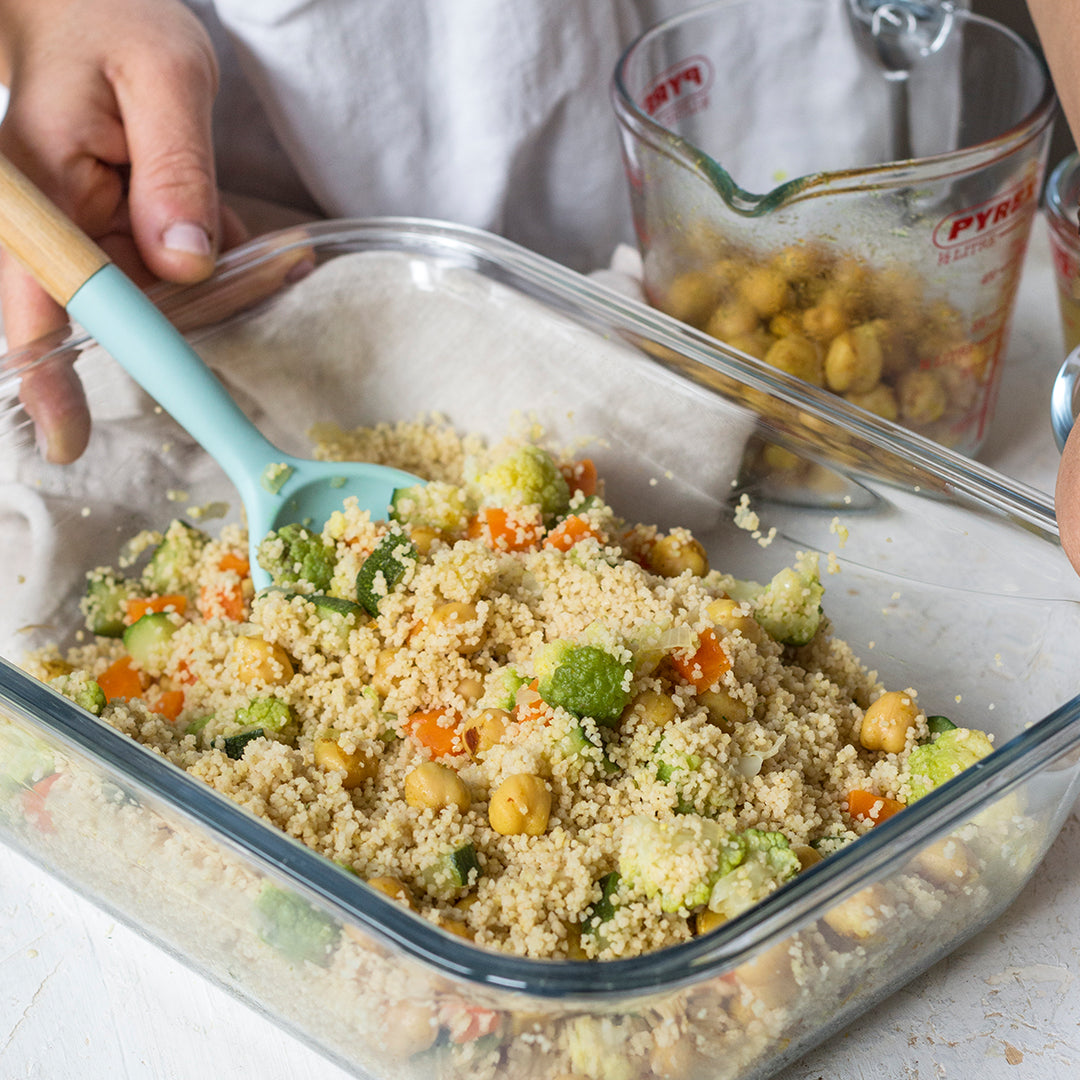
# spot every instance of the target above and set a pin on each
(760, 140)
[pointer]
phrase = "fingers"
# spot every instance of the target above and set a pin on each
(166, 104)
(1067, 498)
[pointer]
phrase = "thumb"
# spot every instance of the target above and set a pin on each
(172, 198)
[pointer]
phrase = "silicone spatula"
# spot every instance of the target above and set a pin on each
(275, 488)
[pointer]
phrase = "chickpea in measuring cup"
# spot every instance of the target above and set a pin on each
(870, 334)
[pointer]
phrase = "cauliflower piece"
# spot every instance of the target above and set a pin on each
(789, 607)
(931, 764)
(677, 861)
(527, 477)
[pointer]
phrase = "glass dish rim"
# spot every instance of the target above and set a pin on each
(279, 856)
(833, 181)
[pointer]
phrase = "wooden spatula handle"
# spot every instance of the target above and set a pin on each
(59, 254)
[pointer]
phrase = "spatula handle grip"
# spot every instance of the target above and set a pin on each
(35, 232)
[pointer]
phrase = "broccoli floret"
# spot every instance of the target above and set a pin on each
(291, 925)
(931, 764)
(767, 862)
(789, 607)
(585, 680)
(527, 477)
(500, 689)
(383, 569)
(269, 716)
(81, 689)
(292, 554)
(678, 863)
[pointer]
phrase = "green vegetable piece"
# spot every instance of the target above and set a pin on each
(932, 764)
(293, 927)
(586, 681)
(334, 605)
(24, 760)
(500, 690)
(789, 607)
(383, 569)
(235, 745)
(604, 908)
(147, 640)
(171, 568)
(438, 505)
(268, 714)
(197, 725)
(294, 553)
(104, 602)
(767, 861)
(82, 690)
(527, 477)
(939, 724)
(464, 866)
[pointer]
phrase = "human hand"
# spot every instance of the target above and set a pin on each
(110, 115)
(1067, 498)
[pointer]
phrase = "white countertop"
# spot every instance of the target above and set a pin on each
(82, 996)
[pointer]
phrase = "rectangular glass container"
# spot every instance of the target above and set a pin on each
(947, 578)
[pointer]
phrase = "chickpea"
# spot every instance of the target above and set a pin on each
(257, 660)
(382, 680)
(676, 553)
(922, 396)
(798, 356)
(854, 360)
(431, 786)
(881, 400)
(470, 689)
(886, 722)
(452, 619)
(825, 319)
(786, 322)
(484, 730)
(948, 863)
(766, 290)
(769, 977)
(724, 711)
(861, 916)
(756, 343)
(409, 1027)
(797, 262)
(780, 459)
(729, 616)
(653, 707)
(732, 319)
(520, 804)
(423, 537)
(707, 920)
(395, 889)
(691, 296)
(357, 766)
(457, 928)
(807, 856)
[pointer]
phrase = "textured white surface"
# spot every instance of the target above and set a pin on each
(81, 996)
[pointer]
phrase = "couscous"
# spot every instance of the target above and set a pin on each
(550, 731)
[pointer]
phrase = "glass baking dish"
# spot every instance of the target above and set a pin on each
(948, 578)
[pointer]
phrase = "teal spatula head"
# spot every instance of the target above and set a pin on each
(275, 489)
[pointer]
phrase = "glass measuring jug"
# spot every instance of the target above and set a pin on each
(843, 188)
